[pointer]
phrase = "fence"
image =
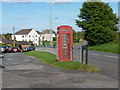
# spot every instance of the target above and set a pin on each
(80, 53)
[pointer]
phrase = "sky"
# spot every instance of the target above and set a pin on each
(37, 15)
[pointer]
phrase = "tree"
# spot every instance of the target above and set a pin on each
(54, 38)
(74, 36)
(77, 35)
(15, 44)
(80, 35)
(98, 21)
(31, 42)
(8, 36)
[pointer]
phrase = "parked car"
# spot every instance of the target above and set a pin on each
(52, 46)
(31, 48)
(5, 49)
(25, 49)
(16, 49)
(1, 49)
(1, 55)
(9, 49)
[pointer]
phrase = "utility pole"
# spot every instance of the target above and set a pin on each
(50, 27)
(13, 36)
(42, 38)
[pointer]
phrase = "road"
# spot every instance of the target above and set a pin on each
(107, 62)
(28, 72)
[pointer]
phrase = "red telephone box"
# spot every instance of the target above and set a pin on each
(65, 42)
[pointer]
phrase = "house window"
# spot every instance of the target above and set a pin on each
(36, 35)
(22, 36)
(43, 37)
(29, 35)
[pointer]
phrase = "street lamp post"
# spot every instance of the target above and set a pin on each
(13, 36)
(51, 38)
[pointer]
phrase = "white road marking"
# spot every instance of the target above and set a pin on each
(94, 54)
(26, 60)
(16, 63)
(110, 56)
(28, 72)
(104, 55)
(6, 63)
(9, 59)
(24, 67)
(47, 81)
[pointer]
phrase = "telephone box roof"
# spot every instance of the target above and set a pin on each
(64, 27)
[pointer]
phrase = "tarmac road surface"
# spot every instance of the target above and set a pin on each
(107, 62)
(28, 72)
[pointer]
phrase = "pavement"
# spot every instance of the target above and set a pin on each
(107, 62)
(28, 72)
(1, 56)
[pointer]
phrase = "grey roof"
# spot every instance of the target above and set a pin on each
(24, 43)
(23, 32)
(5, 41)
(38, 32)
(47, 31)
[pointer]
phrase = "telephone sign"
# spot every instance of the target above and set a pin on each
(65, 42)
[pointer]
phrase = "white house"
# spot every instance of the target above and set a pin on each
(28, 35)
(48, 35)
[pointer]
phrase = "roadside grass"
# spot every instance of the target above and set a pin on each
(108, 47)
(79, 42)
(51, 59)
(43, 56)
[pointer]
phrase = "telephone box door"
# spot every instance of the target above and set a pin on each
(65, 42)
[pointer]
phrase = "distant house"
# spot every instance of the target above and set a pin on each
(4, 40)
(27, 35)
(47, 34)
(23, 44)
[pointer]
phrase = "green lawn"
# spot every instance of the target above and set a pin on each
(109, 47)
(51, 59)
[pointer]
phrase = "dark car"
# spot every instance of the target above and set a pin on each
(6, 49)
(31, 48)
(16, 49)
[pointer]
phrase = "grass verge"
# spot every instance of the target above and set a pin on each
(108, 47)
(51, 59)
